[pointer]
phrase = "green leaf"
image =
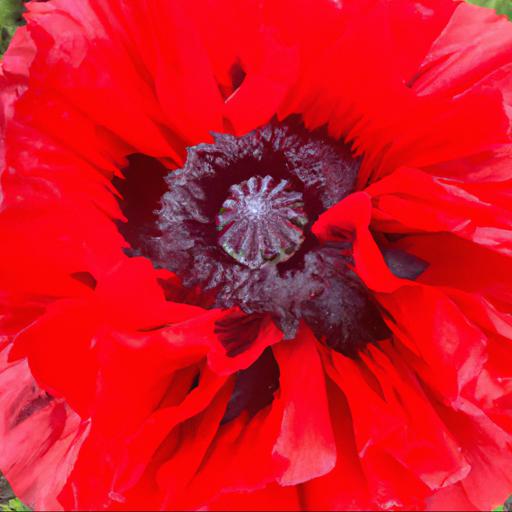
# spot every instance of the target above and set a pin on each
(10, 20)
(14, 505)
(500, 6)
(10, 11)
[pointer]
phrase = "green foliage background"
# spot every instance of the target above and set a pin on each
(14, 505)
(501, 6)
(10, 19)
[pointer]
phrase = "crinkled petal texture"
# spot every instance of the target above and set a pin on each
(113, 394)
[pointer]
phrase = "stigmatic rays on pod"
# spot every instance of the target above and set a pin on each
(256, 254)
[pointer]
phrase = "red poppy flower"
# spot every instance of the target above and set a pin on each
(257, 255)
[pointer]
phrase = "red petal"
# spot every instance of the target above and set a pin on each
(239, 459)
(36, 465)
(60, 351)
(414, 27)
(105, 76)
(474, 44)
(244, 353)
(486, 447)
(194, 107)
(452, 498)
(326, 493)
(263, 90)
(119, 292)
(271, 498)
(306, 437)
(450, 350)
(410, 200)
(352, 215)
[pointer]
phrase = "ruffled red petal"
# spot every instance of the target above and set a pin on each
(41, 437)
(128, 391)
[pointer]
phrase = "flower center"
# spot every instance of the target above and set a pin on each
(261, 222)
(235, 225)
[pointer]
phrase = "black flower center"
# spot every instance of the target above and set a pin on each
(261, 222)
(236, 223)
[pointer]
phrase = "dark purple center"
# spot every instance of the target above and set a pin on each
(236, 222)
